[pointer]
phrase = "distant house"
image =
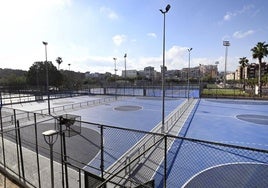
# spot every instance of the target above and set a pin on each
(230, 76)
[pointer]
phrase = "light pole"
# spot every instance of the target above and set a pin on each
(48, 97)
(216, 63)
(188, 73)
(163, 68)
(50, 138)
(125, 56)
(200, 77)
(69, 66)
(226, 44)
(114, 67)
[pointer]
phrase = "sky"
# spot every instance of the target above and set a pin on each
(88, 34)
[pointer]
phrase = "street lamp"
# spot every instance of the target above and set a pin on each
(188, 73)
(50, 138)
(69, 66)
(226, 44)
(48, 97)
(163, 69)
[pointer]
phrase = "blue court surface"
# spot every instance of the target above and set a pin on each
(145, 115)
(237, 122)
(234, 122)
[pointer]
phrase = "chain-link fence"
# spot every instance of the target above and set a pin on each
(151, 91)
(16, 97)
(233, 92)
(94, 155)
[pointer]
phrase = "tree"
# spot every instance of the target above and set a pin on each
(59, 61)
(72, 80)
(243, 61)
(37, 74)
(259, 52)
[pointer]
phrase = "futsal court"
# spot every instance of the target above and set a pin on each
(242, 123)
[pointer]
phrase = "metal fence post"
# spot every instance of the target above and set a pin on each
(36, 150)
(165, 162)
(16, 139)
(20, 151)
(2, 135)
(65, 159)
(102, 153)
(61, 151)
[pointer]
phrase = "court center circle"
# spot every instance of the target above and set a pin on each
(128, 108)
(252, 118)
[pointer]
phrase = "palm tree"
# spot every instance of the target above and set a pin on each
(59, 61)
(258, 52)
(243, 61)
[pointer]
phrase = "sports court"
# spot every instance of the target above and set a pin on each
(235, 122)
(242, 123)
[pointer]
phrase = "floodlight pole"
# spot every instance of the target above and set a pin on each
(188, 73)
(216, 63)
(226, 44)
(114, 67)
(163, 69)
(48, 97)
(125, 56)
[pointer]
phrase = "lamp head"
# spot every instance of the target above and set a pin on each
(45, 43)
(50, 133)
(226, 43)
(167, 7)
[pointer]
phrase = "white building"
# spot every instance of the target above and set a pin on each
(130, 73)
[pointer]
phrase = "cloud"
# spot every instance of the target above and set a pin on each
(175, 59)
(109, 13)
(119, 39)
(229, 15)
(152, 35)
(240, 34)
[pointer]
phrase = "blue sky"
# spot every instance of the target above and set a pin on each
(88, 33)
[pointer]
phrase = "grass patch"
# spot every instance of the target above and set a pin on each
(225, 92)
